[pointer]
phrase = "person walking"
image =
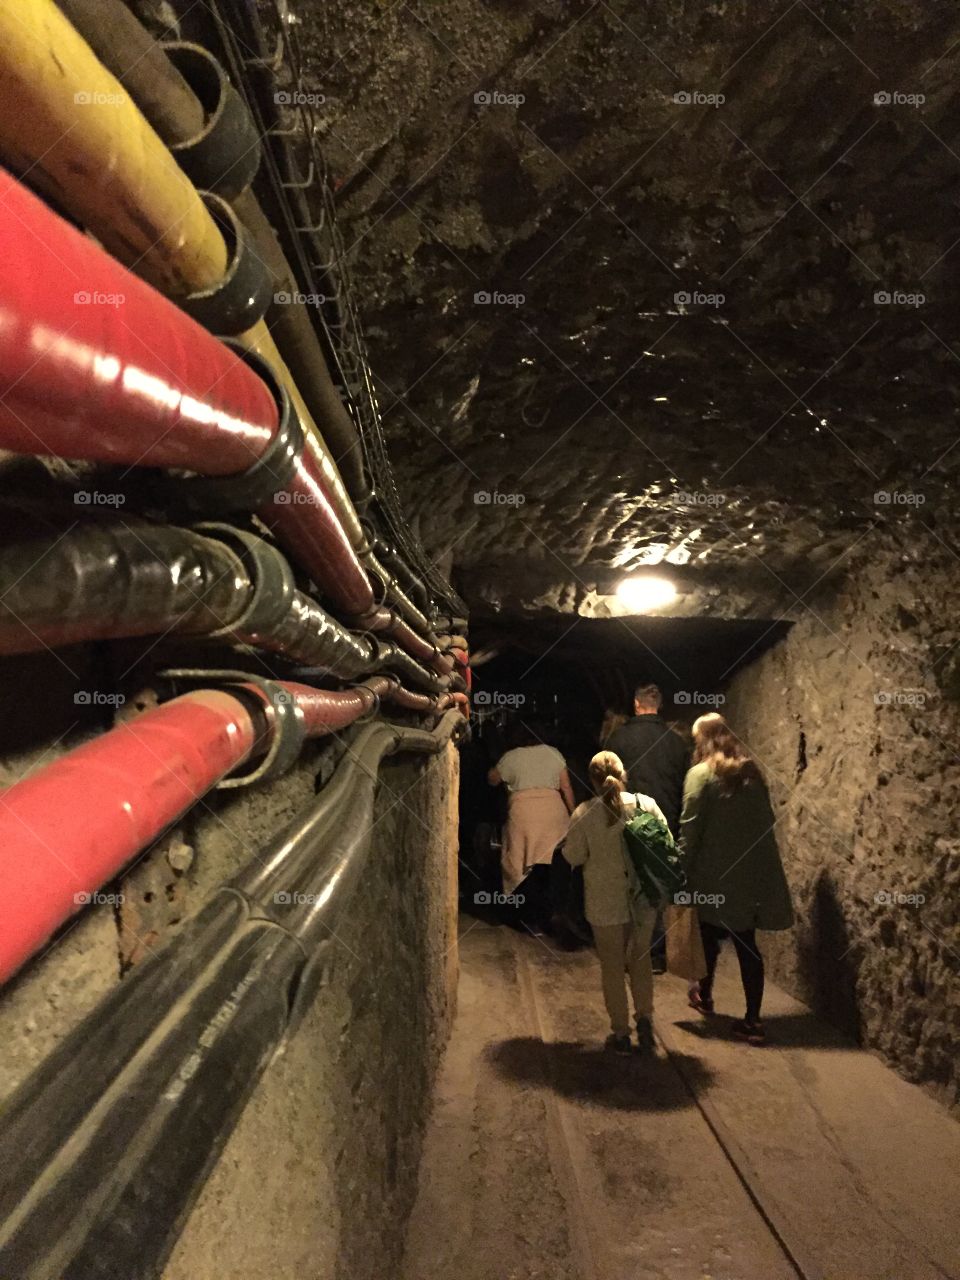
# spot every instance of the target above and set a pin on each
(541, 800)
(622, 930)
(734, 874)
(656, 759)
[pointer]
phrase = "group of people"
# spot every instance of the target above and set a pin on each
(710, 796)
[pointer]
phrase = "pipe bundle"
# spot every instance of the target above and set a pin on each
(112, 354)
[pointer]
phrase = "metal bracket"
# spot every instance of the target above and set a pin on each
(287, 731)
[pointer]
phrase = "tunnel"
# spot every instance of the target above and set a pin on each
(479, 659)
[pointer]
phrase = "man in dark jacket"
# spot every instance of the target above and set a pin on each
(655, 758)
(656, 761)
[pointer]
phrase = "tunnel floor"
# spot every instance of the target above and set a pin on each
(548, 1158)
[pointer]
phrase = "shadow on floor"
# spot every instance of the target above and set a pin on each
(590, 1073)
(784, 1031)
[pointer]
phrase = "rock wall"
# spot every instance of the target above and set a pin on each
(855, 717)
(320, 1174)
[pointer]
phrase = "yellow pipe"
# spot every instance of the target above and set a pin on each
(71, 129)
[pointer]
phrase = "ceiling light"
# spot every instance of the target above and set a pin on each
(643, 594)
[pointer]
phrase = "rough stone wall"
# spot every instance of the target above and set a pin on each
(320, 1173)
(856, 720)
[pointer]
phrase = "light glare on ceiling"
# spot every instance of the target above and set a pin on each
(643, 594)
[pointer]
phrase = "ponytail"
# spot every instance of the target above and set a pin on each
(611, 792)
(609, 779)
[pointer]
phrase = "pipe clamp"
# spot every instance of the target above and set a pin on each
(238, 301)
(274, 587)
(287, 730)
(270, 474)
(225, 155)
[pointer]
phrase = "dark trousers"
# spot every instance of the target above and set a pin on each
(751, 964)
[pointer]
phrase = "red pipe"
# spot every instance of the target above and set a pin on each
(386, 622)
(416, 701)
(125, 377)
(78, 381)
(462, 659)
(130, 784)
(71, 826)
(325, 711)
(304, 520)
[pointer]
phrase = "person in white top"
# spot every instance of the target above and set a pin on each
(541, 798)
(595, 842)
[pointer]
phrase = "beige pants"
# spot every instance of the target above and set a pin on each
(626, 948)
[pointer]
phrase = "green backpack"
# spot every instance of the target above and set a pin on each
(653, 863)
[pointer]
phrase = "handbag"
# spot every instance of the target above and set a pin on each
(685, 958)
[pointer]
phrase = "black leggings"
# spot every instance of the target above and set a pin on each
(751, 964)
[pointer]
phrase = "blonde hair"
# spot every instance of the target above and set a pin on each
(715, 744)
(609, 779)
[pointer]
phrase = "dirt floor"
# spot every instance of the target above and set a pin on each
(548, 1158)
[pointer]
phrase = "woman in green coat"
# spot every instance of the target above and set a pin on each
(732, 863)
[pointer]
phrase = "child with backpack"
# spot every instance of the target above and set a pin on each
(622, 893)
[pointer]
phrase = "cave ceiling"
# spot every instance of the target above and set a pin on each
(720, 246)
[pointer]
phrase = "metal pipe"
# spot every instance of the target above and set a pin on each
(105, 581)
(197, 260)
(132, 782)
(66, 121)
(78, 380)
(113, 1136)
(94, 364)
(310, 636)
(115, 184)
(125, 47)
(129, 784)
(172, 107)
(410, 671)
(109, 580)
